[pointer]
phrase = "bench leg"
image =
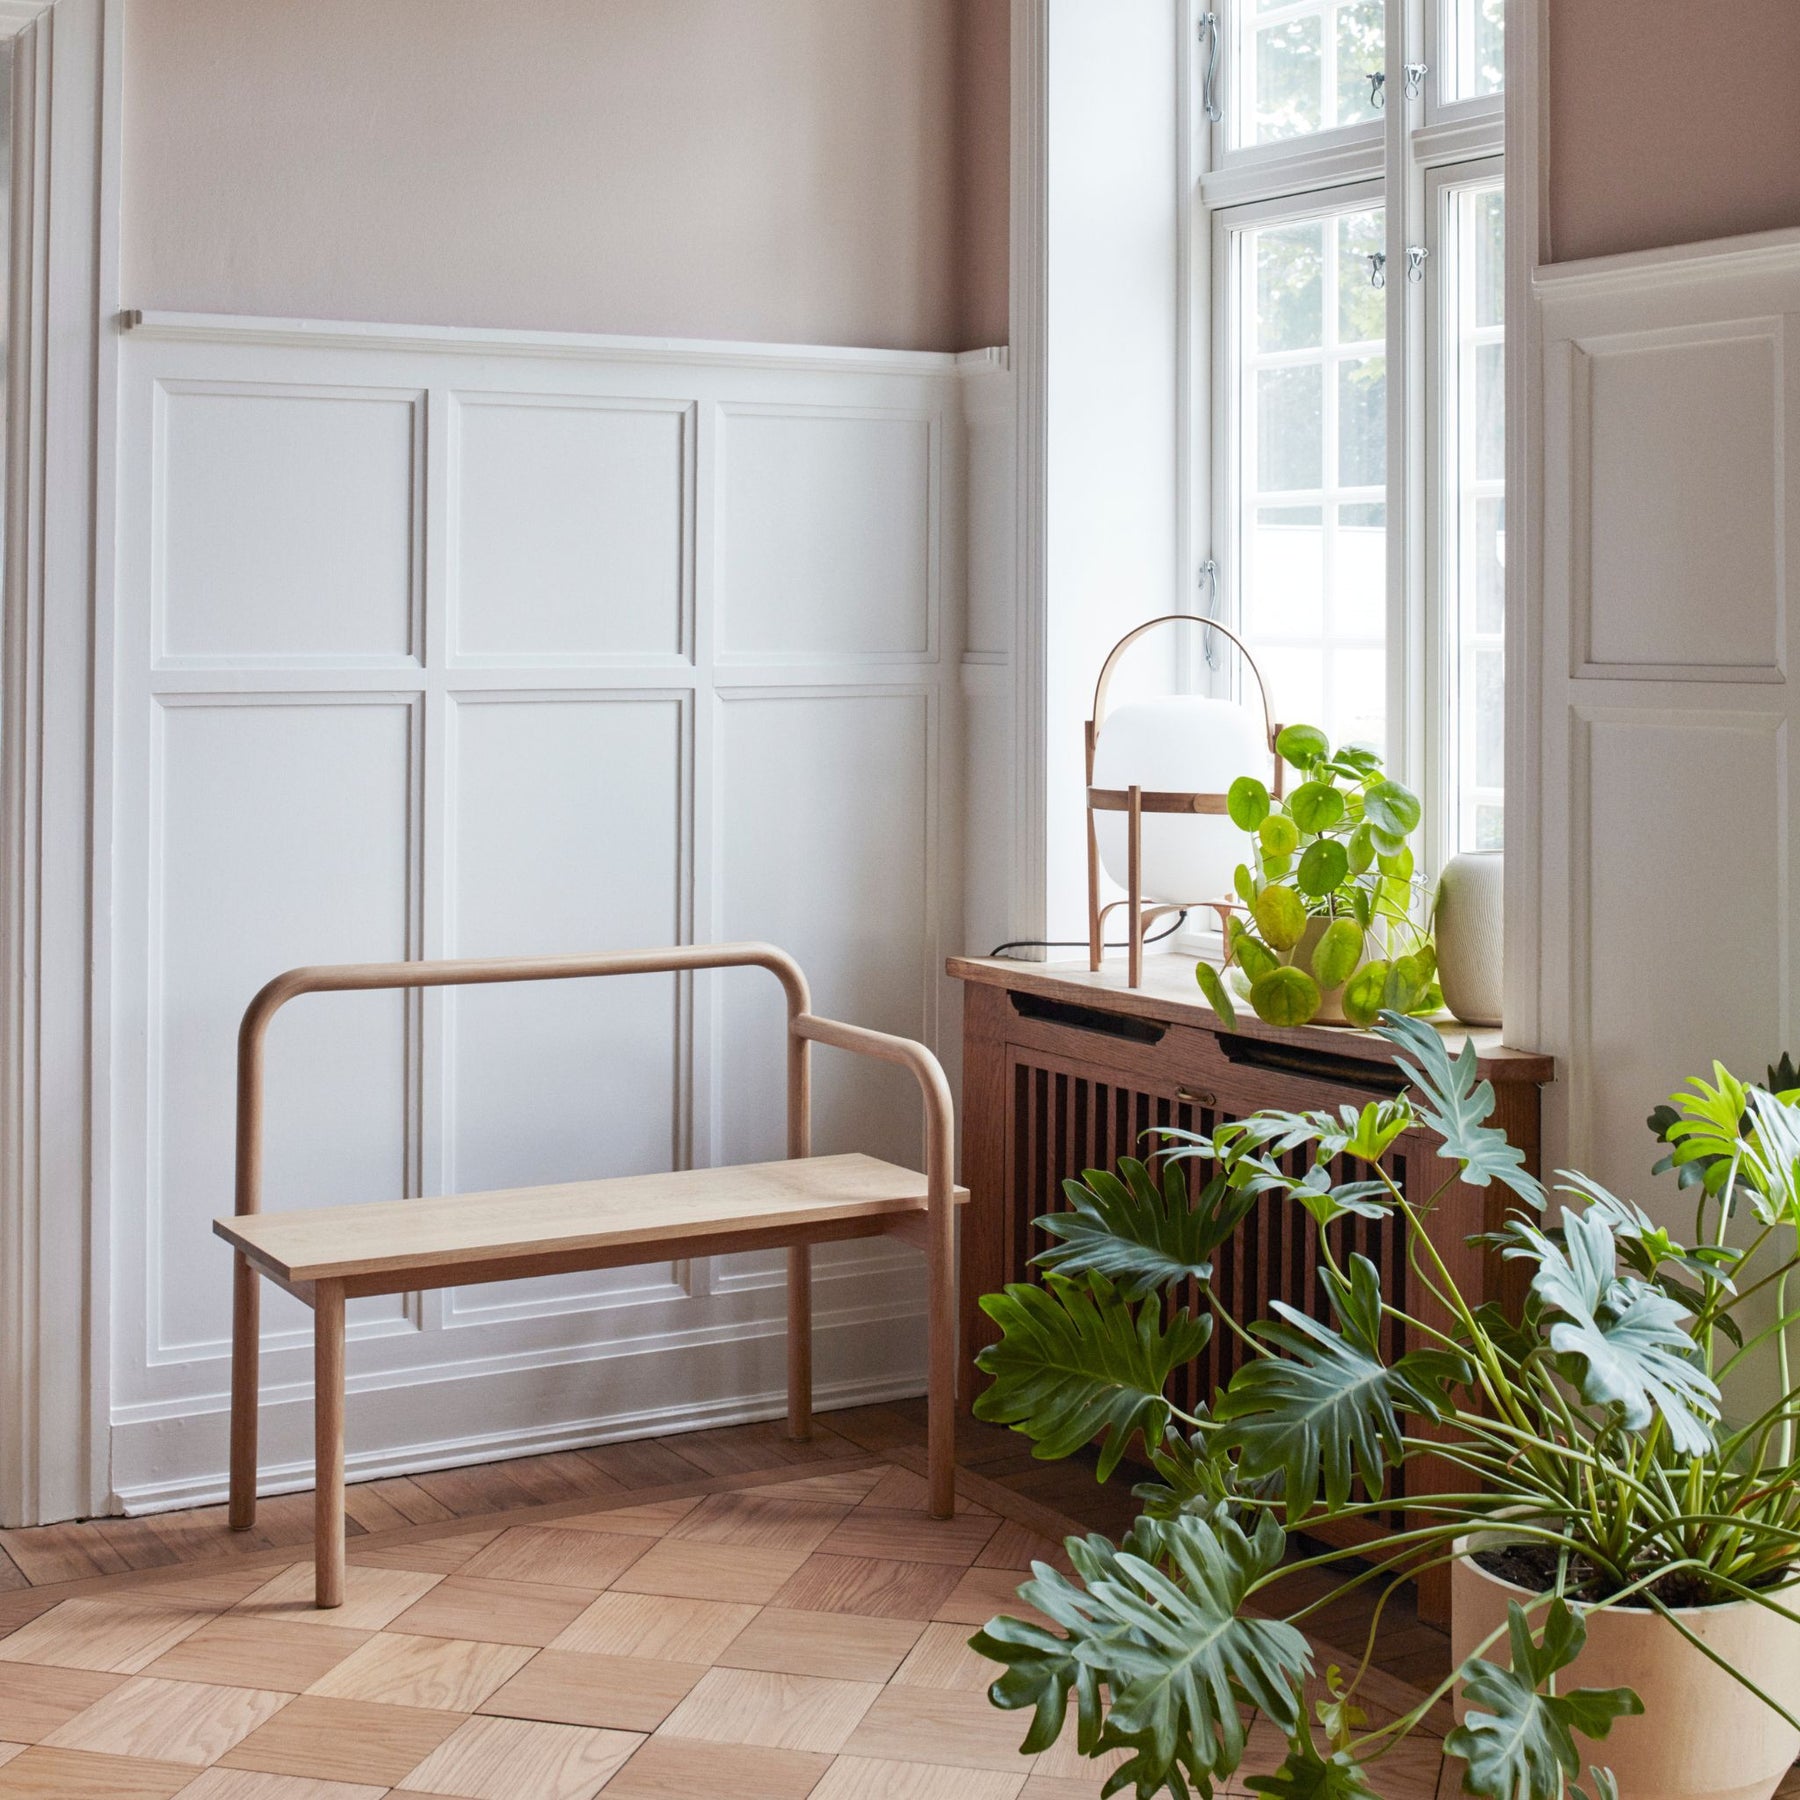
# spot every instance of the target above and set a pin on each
(799, 1342)
(246, 1345)
(328, 1443)
(940, 1401)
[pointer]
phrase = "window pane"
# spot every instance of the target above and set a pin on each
(1477, 30)
(1474, 476)
(1362, 306)
(1362, 422)
(1290, 428)
(1307, 67)
(1290, 286)
(1311, 469)
(1288, 79)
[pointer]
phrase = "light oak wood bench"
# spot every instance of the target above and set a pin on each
(327, 1256)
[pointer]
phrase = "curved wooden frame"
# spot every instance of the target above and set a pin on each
(1134, 802)
(804, 1029)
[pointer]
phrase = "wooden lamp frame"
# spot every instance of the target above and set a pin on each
(1134, 802)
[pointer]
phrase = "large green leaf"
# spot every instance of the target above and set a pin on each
(1623, 1342)
(1329, 1408)
(1164, 1639)
(1074, 1360)
(1247, 801)
(1142, 1235)
(1519, 1744)
(1302, 745)
(1284, 996)
(1280, 916)
(1216, 996)
(1315, 806)
(1457, 1106)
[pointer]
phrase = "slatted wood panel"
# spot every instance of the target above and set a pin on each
(1067, 1119)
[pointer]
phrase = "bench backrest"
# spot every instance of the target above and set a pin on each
(359, 977)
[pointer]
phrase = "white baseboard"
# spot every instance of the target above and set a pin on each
(501, 1446)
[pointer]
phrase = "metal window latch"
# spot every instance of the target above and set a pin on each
(1209, 80)
(1378, 88)
(1377, 268)
(1208, 583)
(1415, 74)
(1415, 262)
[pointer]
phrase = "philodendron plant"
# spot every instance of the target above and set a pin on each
(1328, 891)
(1586, 1425)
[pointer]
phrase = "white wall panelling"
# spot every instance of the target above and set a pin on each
(1670, 522)
(437, 643)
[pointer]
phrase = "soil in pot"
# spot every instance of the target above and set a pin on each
(1534, 1567)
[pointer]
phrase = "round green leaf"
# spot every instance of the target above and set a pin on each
(1316, 806)
(1285, 996)
(1247, 801)
(1325, 864)
(1280, 917)
(1362, 994)
(1337, 953)
(1246, 889)
(1253, 956)
(1214, 990)
(1279, 834)
(1275, 867)
(1302, 745)
(1391, 808)
(1404, 986)
(1362, 850)
(1400, 865)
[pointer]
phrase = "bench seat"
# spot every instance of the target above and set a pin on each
(392, 1246)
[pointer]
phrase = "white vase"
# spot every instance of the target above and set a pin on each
(1701, 1735)
(1469, 923)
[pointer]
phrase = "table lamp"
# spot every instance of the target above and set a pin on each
(1158, 771)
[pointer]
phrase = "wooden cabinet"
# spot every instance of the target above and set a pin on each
(1064, 1070)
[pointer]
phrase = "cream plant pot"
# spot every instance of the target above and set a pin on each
(1701, 1735)
(1331, 1003)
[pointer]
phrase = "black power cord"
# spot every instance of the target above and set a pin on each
(1082, 943)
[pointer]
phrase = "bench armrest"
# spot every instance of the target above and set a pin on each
(934, 1091)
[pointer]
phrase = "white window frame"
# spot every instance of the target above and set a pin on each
(1423, 147)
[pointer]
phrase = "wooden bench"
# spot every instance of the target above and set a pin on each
(328, 1256)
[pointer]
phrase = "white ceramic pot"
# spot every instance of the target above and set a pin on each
(1701, 1736)
(1469, 927)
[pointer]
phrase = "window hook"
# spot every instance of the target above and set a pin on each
(1209, 581)
(1415, 262)
(1377, 268)
(1209, 81)
(1378, 88)
(1415, 74)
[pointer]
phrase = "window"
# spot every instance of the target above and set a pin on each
(1354, 208)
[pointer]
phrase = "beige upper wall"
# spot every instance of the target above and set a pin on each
(812, 171)
(1671, 123)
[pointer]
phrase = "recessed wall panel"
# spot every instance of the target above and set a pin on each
(824, 809)
(827, 534)
(571, 528)
(1685, 502)
(286, 521)
(567, 836)
(281, 838)
(1669, 984)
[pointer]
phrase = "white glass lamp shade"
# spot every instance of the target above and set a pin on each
(1182, 743)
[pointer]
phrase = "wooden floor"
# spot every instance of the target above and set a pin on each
(724, 1614)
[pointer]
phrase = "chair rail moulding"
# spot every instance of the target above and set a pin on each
(62, 73)
(461, 643)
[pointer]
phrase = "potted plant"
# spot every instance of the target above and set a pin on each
(1331, 928)
(1620, 1553)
